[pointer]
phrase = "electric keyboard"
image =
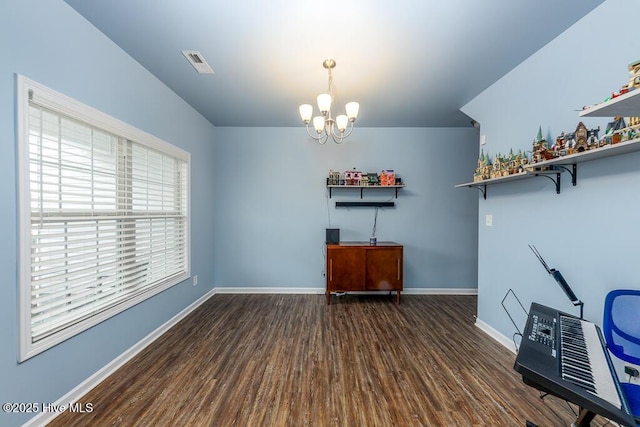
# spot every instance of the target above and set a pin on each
(565, 356)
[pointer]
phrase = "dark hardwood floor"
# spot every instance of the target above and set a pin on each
(293, 360)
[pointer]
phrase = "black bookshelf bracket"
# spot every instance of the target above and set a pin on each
(573, 172)
(556, 181)
(363, 187)
(483, 190)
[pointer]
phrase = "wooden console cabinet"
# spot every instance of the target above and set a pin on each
(360, 266)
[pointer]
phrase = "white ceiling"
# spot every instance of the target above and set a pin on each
(409, 63)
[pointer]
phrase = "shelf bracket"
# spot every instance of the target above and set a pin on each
(573, 172)
(555, 181)
(362, 188)
(482, 188)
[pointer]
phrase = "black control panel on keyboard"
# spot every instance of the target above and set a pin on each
(543, 330)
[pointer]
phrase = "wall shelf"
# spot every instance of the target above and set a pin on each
(559, 165)
(572, 160)
(627, 105)
(528, 173)
(362, 187)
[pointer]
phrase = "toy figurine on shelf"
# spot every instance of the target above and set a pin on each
(373, 178)
(624, 89)
(498, 167)
(570, 142)
(634, 75)
(352, 177)
(634, 128)
(387, 177)
(613, 133)
(334, 178)
(541, 151)
(592, 138)
(581, 134)
(630, 133)
(559, 146)
(483, 171)
(512, 163)
(520, 160)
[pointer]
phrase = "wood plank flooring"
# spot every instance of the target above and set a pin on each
(292, 360)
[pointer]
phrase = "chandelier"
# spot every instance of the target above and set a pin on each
(325, 125)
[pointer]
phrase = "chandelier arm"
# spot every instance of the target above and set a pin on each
(349, 129)
(342, 135)
(338, 138)
(309, 133)
(320, 138)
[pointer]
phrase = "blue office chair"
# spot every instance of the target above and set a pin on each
(621, 329)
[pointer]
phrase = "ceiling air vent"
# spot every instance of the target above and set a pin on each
(197, 60)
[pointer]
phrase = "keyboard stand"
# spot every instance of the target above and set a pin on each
(584, 419)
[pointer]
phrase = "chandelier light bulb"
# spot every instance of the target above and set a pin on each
(352, 109)
(324, 103)
(306, 111)
(341, 122)
(318, 124)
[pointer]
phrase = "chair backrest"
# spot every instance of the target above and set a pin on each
(621, 324)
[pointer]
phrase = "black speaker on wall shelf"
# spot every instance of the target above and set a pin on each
(333, 236)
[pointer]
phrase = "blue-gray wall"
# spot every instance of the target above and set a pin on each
(272, 206)
(49, 42)
(589, 232)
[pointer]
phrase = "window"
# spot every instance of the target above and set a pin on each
(103, 216)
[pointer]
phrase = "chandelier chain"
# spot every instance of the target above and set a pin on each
(331, 84)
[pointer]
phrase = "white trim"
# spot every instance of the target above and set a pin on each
(440, 291)
(315, 290)
(493, 333)
(64, 104)
(24, 225)
(87, 385)
(261, 290)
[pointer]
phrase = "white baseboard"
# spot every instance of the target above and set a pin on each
(261, 290)
(320, 291)
(440, 291)
(87, 385)
(493, 333)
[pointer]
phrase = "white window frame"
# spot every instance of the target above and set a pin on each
(26, 91)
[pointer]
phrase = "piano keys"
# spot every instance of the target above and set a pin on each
(567, 357)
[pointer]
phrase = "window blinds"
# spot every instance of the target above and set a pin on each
(108, 223)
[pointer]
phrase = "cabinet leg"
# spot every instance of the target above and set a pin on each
(397, 297)
(328, 294)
